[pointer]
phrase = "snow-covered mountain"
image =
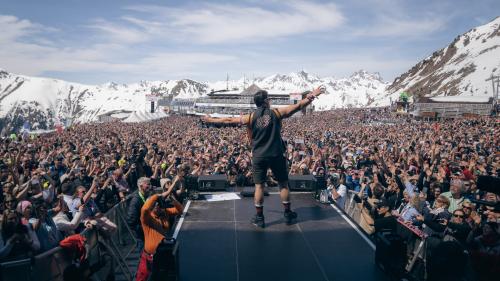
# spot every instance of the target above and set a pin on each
(461, 68)
(359, 90)
(42, 101)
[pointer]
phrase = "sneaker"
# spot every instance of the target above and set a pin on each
(290, 217)
(258, 221)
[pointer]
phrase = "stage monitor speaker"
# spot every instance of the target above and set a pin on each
(212, 182)
(302, 182)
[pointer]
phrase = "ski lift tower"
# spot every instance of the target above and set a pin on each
(495, 83)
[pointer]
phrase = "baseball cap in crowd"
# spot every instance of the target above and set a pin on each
(383, 203)
(163, 182)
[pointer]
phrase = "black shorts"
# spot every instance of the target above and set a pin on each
(278, 167)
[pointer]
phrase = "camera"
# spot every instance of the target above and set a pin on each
(365, 202)
(488, 184)
(367, 205)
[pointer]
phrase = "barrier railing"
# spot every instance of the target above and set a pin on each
(414, 237)
(51, 264)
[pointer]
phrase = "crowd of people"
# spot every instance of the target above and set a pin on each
(424, 173)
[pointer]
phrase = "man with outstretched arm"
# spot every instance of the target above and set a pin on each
(268, 149)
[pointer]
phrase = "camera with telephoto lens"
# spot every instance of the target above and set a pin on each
(165, 202)
(367, 204)
(488, 184)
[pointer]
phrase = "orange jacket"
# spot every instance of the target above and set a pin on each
(154, 227)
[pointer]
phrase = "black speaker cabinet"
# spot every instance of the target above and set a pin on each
(212, 182)
(302, 182)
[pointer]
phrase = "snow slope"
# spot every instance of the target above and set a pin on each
(460, 68)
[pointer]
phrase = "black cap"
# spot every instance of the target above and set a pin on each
(260, 97)
(163, 203)
(383, 203)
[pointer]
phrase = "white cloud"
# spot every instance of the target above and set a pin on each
(387, 26)
(39, 55)
(118, 33)
(226, 23)
(14, 28)
(205, 40)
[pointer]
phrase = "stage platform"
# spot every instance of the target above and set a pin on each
(218, 242)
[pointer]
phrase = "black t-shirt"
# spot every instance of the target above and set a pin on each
(385, 223)
(266, 133)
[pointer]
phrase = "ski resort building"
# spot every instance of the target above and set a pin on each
(235, 103)
(453, 107)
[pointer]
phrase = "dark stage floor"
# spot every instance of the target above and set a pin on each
(217, 242)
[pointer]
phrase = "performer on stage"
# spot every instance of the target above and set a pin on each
(268, 149)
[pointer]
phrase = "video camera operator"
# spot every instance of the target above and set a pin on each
(337, 190)
(155, 216)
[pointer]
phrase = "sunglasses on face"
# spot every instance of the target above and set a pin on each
(458, 216)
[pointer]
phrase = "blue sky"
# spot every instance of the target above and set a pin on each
(125, 41)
